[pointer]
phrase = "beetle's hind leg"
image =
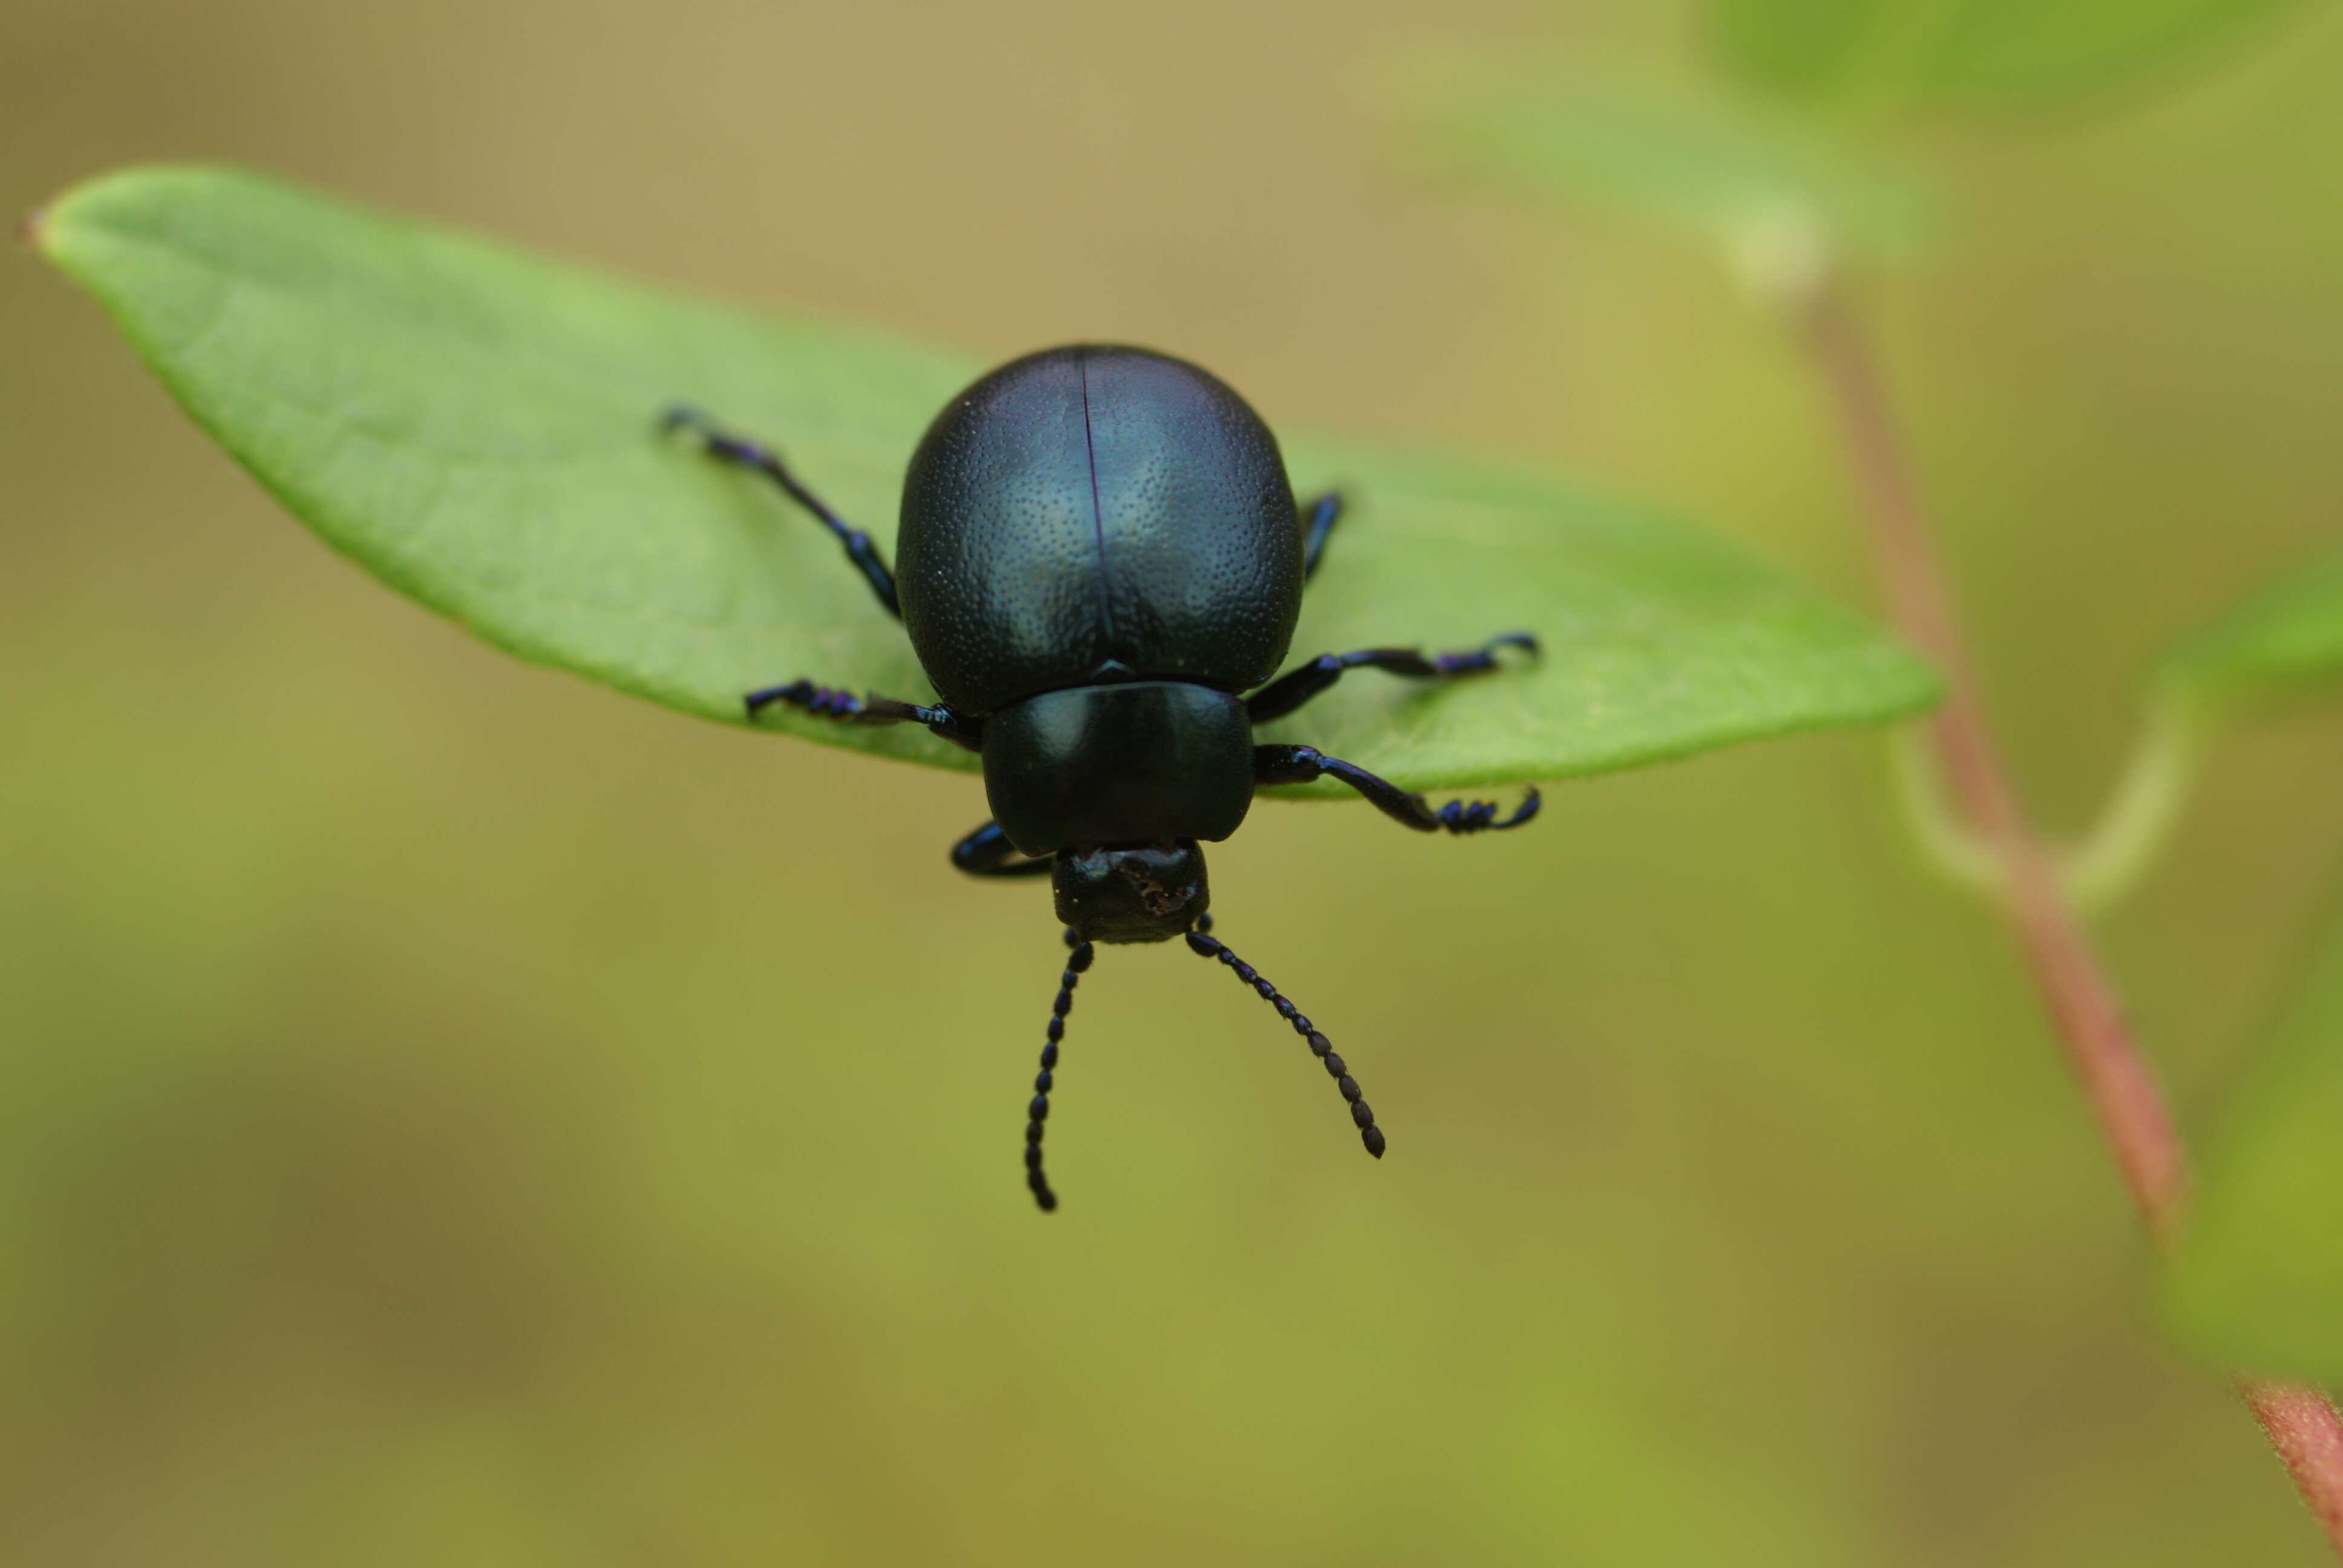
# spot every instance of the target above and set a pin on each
(1306, 765)
(843, 706)
(725, 446)
(1296, 686)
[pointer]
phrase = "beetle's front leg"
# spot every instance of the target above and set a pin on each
(987, 852)
(1306, 765)
(845, 707)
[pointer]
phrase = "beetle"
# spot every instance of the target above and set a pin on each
(1098, 554)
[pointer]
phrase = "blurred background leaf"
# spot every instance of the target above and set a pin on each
(2287, 640)
(2256, 1282)
(476, 427)
(1714, 166)
(2282, 645)
(1972, 54)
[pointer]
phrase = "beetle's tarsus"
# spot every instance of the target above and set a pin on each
(820, 702)
(1480, 816)
(1484, 657)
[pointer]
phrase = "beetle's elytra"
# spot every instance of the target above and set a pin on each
(1099, 556)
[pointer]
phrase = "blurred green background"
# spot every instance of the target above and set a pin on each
(452, 1114)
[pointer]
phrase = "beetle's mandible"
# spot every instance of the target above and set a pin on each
(1099, 556)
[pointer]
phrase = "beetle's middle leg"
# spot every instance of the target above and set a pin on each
(725, 446)
(1296, 686)
(1306, 765)
(835, 703)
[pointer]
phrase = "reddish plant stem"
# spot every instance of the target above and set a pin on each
(2301, 1423)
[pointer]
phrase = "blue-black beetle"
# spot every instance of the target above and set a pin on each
(1098, 554)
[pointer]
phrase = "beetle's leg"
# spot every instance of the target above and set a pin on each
(721, 444)
(987, 852)
(1038, 1111)
(1305, 765)
(1204, 945)
(1315, 526)
(1296, 686)
(830, 702)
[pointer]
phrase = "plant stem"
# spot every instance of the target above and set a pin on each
(2081, 1003)
(2302, 1424)
(2106, 863)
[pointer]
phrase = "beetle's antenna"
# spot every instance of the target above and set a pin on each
(1076, 963)
(1207, 946)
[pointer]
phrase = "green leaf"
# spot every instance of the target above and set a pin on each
(475, 426)
(1658, 642)
(2256, 1280)
(1800, 48)
(2285, 643)
(1969, 54)
(2286, 640)
(1720, 169)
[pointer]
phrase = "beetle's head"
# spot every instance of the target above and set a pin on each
(1131, 892)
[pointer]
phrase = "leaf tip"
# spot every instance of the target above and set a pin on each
(30, 227)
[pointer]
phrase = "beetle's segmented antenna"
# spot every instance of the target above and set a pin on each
(1202, 942)
(1076, 963)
